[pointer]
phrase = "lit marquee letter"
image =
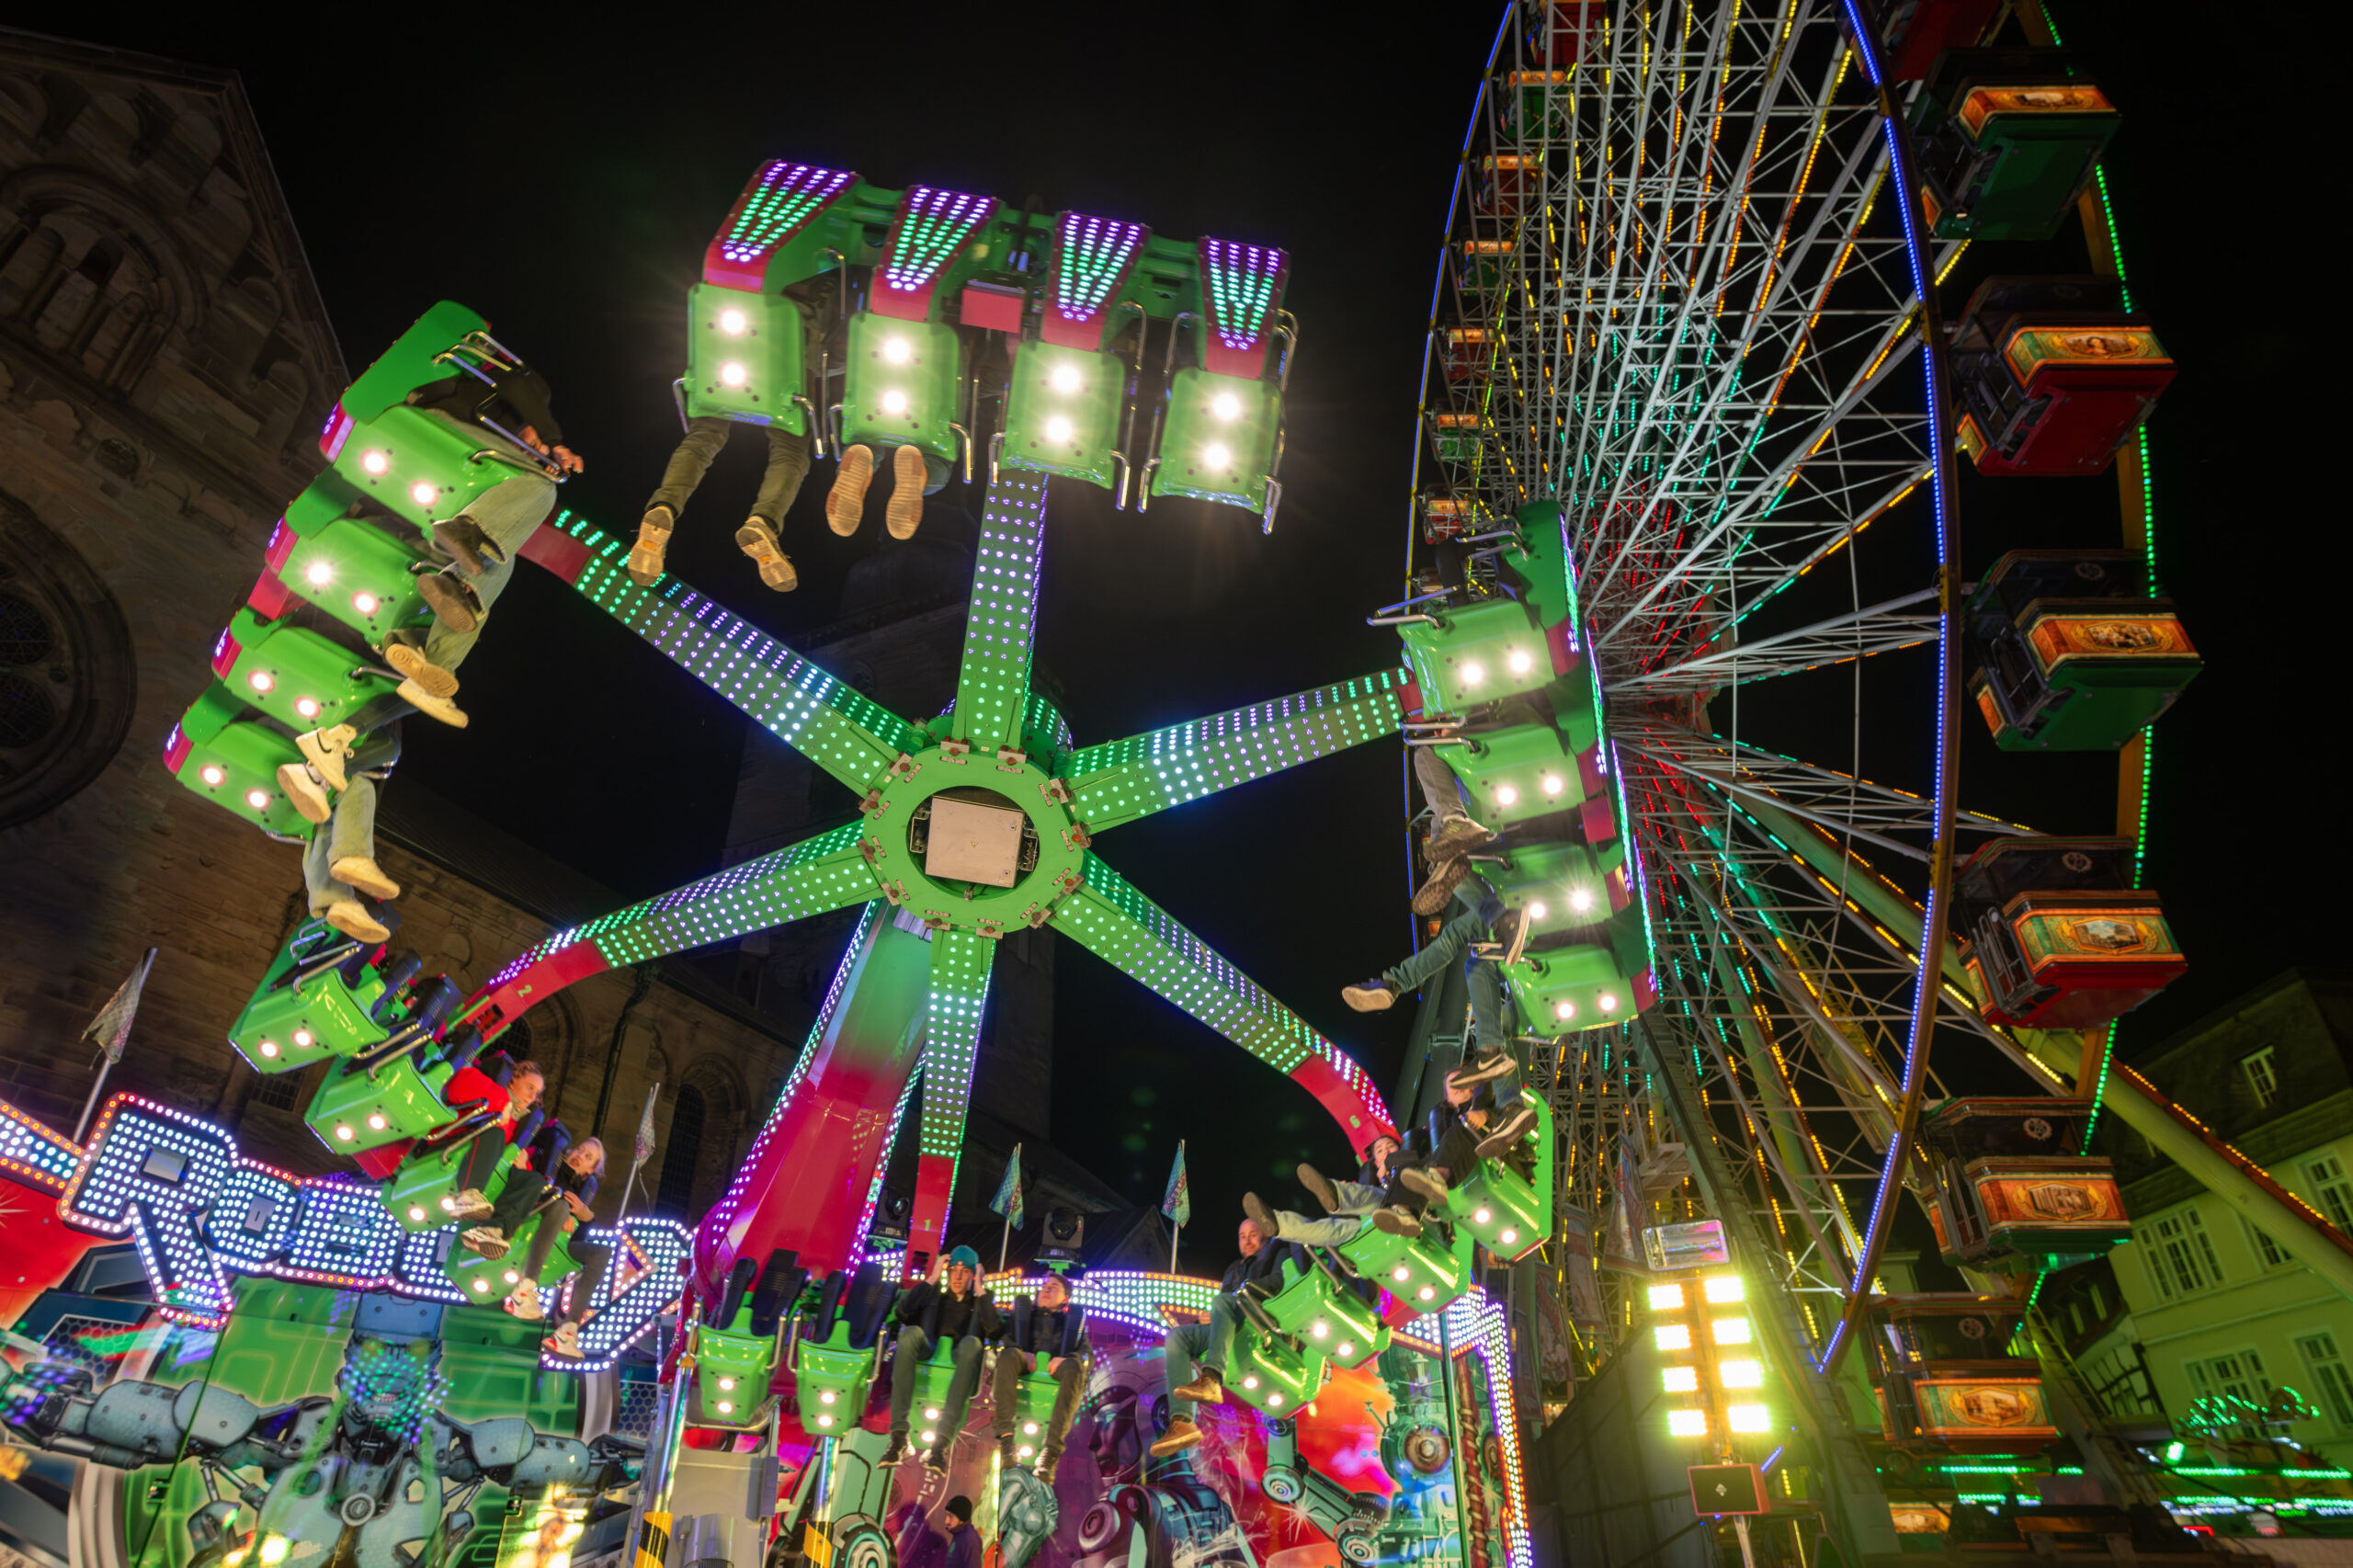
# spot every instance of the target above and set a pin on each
(421, 1271)
(149, 1172)
(624, 1316)
(345, 1238)
(254, 1217)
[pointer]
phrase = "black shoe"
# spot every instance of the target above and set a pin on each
(453, 603)
(1319, 1187)
(1438, 887)
(1427, 1184)
(1261, 1216)
(895, 1454)
(1374, 995)
(936, 1457)
(472, 549)
(1517, 1126)
(1484, 1070)
(1452, 836)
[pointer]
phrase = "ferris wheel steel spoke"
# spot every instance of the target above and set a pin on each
(1877, 628)
(1121, 781)
(840, 729)
(1127, 930)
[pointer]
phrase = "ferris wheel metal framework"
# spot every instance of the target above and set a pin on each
(1683, 295)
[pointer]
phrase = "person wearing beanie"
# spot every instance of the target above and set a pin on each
(963, 1540)
(957, 1314)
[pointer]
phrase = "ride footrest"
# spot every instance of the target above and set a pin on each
(747, 357)
(1561, 886)
(298, 677)
(1062, 412)
(1332, 1318)
(1273, 1373)
(420, 1194)
(904, 387)
(1033, 1409)
(232, 761)
(353, 571)
(1584, 985)
(358, 1107)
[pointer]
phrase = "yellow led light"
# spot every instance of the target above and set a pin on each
(1732, 1331)
(1680, 1380)
(1741, 1374)
(1687, 1422)
(1672, 1336)
(1749, 1418)
(1666, 1298)
(1724, 1287)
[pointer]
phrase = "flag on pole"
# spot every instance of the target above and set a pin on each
(645, 1149)
(1007, 1200)
(1179, 1205)
(111, 1029)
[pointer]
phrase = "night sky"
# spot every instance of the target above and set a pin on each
(563, 176)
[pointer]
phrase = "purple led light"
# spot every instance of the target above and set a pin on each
(788, 193)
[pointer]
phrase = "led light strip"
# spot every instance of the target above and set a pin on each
(1091, 256)
(1238, 287)
(786, 196)
(932, 225)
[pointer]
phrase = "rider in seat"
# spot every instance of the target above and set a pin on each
(571, 1186)
(1037, 1336)
(340, 863)
(480, 541)
(1210, 1343)
(513, 1105)
(955, 1314)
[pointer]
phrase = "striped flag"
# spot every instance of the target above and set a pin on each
(1007, 1200)
(111, 1028)
(1179, 1205)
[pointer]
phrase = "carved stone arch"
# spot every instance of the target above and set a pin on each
(69, 678)
(711, 1087)
(44, 188)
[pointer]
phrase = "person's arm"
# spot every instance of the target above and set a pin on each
(581, 1199)
(526, 391)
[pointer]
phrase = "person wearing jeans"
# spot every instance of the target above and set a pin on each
(1042, 1331)
(1195, 1354)
(1484, 919)
(953, 1315)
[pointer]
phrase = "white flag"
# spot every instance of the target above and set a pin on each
(111, 1028)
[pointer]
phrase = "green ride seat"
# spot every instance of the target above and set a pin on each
(1327, 1316)
(417, 357)
(1033, 1409)
(830, 1379)
(299, 677)
(1561, 886)
(1268, 1372)
(424, 467)
(295, 1019)
(1423, 1275)
(359, 1107)
(1222, 441)
(488, 1281)
(354, 572)
(733, 1369)
(1509, 1214)
(232, 761)
(1584, 985)
(932, 1374)
(902, 386)
(1462, 657)
(1064, 410)
(1516, 773)
(2079, 653)
(422, 1190)
(747, 357)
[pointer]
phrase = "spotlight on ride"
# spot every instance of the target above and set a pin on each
(733, 373)
(1216, 455)
(1064, 379)
(1226, 406)
(897, 351)
(376, 461)
(731, 323)
(1520, 661)
(1058, 429)
(318, 573)
(895, 401)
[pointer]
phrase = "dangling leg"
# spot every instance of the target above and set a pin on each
(687, 464)
(788, 466)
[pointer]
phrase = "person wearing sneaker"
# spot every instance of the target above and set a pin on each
(513, 1104)
(914, 475)
(339, 864)
(1452, 832)
(1207, 1344)
(1477, 922)
(560, 1199)
(1346, 1204)
(1045, 1331)
(954, 1313)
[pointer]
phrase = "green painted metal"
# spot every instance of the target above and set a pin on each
(1063, 411)
(1585, 986)
(1119, 781)
(2004, 152)
(1325, 1314)
(1560, 887)
(1476, 653)
(992, 680)
(811, 877)
(357, 1108)
(1221, 440)
(733, 1369)
(899, 870)
(285, 1027)
(830, 1378)
(296, 676)
(413, 1197)
(233, 761)
(425, 467)
(1516, 773)
(1422, 1275)
(902, 386)
(960, 991)
(488, 1282)
(414, 359)
(1033, 1409)
(747, 357)
(1271, 1373)
(360, 575)
(1510, 1215)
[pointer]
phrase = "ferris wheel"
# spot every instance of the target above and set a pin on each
(1680, 316)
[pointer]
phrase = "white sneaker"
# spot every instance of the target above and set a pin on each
(328, 750)
(413, 665)
(300, 782)
(347, 917)
(366, 876)
(433, 707)
(488, 1241)
(524, 1302)
(470, 1204)
(565, 1341)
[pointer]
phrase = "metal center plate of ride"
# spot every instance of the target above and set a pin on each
(974, 841)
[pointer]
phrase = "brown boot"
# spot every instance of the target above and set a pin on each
(645, 566)
(1181, 1435)
(1209, 1388)
(846, 503)
(1440, 885)
(452, 606)
(366, 876)
(905, 514)
(758, 539)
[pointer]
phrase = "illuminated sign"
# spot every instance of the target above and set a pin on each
(198, 1211)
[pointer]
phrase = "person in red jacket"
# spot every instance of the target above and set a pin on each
(513, 1104)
